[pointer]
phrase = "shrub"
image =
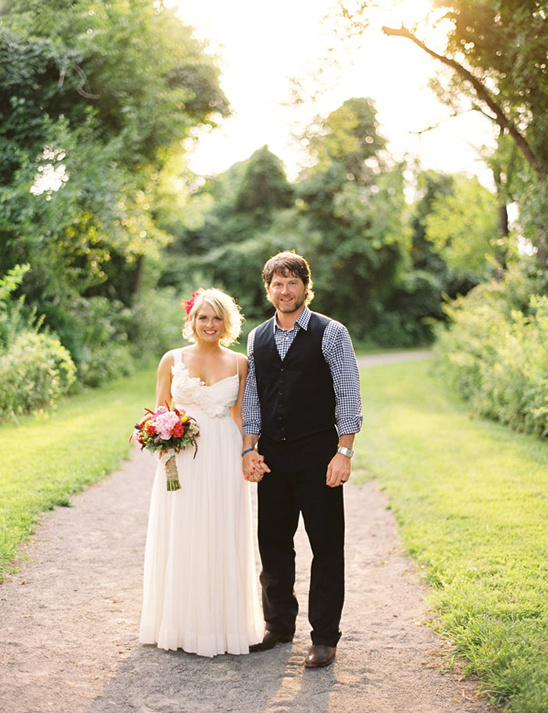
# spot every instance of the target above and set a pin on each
(496, 357)
(156, 324)
(103, 363)
(34, 371)
(14, 316)
(94, 330)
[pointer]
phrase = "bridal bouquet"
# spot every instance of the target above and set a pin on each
(167, 431)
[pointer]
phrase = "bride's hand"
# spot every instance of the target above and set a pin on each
(254, 466)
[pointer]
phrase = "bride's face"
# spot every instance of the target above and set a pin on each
(209, 327)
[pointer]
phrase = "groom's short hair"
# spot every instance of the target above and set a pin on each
(289, 263)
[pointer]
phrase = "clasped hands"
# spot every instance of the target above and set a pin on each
(254, 468)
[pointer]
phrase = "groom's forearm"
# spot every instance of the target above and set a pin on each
(250, 441)
(346, 440)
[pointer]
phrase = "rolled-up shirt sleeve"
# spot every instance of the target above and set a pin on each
(251, 410)
(339, 354)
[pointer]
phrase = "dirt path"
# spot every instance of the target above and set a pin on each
(69, 624)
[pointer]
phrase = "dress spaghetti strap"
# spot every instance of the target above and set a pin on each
(177, 356)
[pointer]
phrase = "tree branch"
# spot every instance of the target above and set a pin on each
(84, 81)
(499, 116)
(434, 126)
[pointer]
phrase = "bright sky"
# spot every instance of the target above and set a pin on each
(262, 44)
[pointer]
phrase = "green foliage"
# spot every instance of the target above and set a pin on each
(95, 330)
(462, 227)
(494, 352)
(495, 51)
(132, 63)
(470, 498)
(96, 100)
(349, 136)
(13, 316)
(504, 42)
(156, 324)
(264, 186)
(81, 442)
(246, 221)
(353, 198)
(374, 266)
(34, 372)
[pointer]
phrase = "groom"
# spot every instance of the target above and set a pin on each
(302, 399)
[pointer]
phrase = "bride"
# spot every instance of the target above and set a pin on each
(200, 590)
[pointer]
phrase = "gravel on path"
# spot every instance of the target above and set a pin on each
(70, 617)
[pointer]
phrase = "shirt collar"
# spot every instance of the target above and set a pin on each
(302, 320)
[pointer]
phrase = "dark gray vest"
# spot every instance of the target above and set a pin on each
(296, 395)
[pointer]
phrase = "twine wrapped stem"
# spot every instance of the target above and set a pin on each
(172, 476)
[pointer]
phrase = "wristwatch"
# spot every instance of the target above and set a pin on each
(348, 452)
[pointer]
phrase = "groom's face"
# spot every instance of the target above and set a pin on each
(287, 294)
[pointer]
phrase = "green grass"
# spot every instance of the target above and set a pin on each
(48, 458)
(471, 498)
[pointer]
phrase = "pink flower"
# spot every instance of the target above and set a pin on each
(165, 423)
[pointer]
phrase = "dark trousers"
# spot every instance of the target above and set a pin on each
(296, 484)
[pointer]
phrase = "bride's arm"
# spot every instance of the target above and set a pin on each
(163, 380)
(237, 408)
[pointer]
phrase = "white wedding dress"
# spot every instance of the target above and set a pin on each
(200, 583)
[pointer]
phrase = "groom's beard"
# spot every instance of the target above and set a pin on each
(294, 305)
(289, 308)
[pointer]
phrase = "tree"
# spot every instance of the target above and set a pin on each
(496, 51)
(264, 186)
(96, 99)
(353, 197)
(107, 91)
(348, 136)
(248, 215)
(462, 227)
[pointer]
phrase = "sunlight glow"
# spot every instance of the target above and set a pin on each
(51, 176)
(262, 46)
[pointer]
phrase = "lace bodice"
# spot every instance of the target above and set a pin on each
(192, 394)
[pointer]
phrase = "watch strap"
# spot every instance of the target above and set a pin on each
(348, 452)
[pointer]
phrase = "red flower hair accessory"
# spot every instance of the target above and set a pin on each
(187, 305)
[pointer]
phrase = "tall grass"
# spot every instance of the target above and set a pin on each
(471, 497)
(46, 459)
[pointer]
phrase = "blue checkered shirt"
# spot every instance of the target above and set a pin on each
(338, 353)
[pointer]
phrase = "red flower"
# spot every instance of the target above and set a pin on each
(178, 429)
(189, 304)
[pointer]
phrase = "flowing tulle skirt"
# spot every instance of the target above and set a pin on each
(200, 581)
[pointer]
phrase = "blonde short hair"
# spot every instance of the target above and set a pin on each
(225, 307)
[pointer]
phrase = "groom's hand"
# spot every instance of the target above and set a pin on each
(254, 467)
(338, 470)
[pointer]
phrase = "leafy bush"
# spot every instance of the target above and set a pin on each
(94, 330)
(34, 371)
(104, 363)
(14, 317)
(495, 356)
(156, 324)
